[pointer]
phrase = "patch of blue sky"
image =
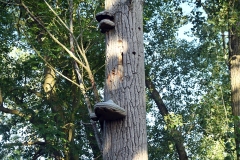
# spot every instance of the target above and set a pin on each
(184, 32)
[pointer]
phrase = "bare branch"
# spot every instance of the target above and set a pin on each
(50, 66)
(6, 110)
(70, 31)
(1, 98)
(11, 111)
(80, 81)
(24, 143)
(177, 135)
(82, 51)
(53, 37)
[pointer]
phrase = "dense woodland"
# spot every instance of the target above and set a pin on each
(52, 69)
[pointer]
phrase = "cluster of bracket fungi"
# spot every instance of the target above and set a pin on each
(107, 110)
(105, 19)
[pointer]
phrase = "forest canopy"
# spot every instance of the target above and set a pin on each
(52, 56)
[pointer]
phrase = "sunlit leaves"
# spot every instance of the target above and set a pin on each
(22, 76)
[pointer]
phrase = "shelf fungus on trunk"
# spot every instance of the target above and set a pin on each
(109, 111)
(93, 117)
(105, 20)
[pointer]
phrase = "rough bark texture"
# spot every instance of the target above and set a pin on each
(235, 85)
(176, 135)
(125, 139)
(234, 66)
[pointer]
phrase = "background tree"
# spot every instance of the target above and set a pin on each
(191, 70)
(54, 115)
(223, 19)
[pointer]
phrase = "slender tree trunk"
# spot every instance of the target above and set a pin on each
(234, 66)
(96, 148)
(50, 90)
(235, 86)
(125, 139)
(176, 135)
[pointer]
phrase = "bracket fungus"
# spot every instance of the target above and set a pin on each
(105, 20)
(93, 117)
(109, 111)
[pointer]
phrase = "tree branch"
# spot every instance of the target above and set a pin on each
(52, 36)
(6, 110)
(24, 143)
(156, 97)
(11, 111)
(50, 66)
(176, 135)
(80, 80)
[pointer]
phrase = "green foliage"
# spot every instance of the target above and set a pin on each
(40, 131)
(191, 77)
(193, 81)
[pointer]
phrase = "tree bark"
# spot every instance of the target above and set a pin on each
(234, 66)
(235, 85)
(126, 138)
(176, 135)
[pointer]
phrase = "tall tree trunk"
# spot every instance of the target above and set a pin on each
(235, 85)
(125, 139)
(176, 135)
(234, 66)
(50, 90)
(71, 154)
